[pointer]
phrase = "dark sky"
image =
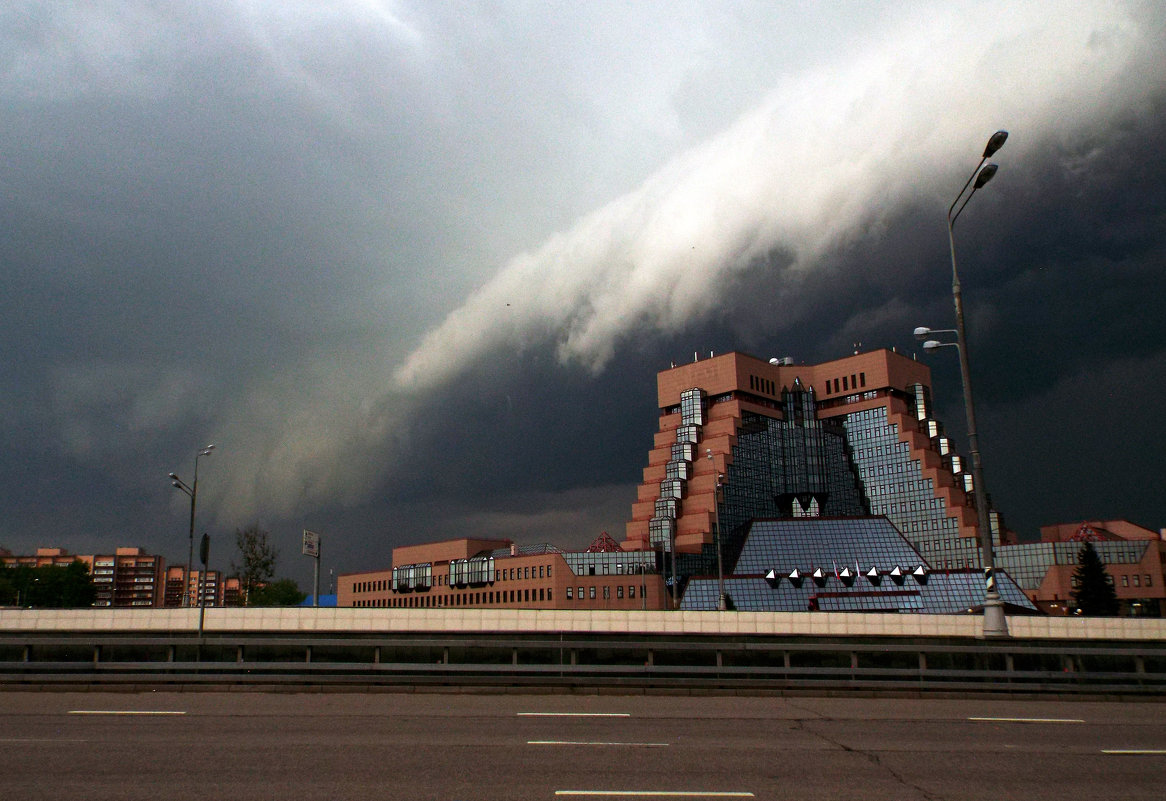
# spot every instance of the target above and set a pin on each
(412, 267)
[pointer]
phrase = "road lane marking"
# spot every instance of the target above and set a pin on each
(123, 712)
(574, 714)
(1027, 720)
(657, 793)
(594, 742)
(41, 740)
(1134, 751)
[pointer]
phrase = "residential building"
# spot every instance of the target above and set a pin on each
(131, 577)
(44, 557)
(209, 589)
(128, 577)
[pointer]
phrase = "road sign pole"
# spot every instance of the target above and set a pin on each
(316, 579)
(312, 548)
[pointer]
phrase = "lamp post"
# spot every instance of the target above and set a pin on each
(721, 605)
(995, 623)
(191, 490)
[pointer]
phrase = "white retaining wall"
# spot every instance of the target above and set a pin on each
(513, 621)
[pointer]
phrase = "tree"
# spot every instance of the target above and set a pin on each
(1094, 594)
(256, 559)
(48, 587)
(283, 592)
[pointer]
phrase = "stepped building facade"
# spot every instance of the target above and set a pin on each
(742, 438)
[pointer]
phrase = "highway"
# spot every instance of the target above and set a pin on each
(490, 747)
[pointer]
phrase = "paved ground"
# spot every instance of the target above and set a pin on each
(491, 747)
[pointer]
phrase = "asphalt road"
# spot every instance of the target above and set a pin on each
(457, 747)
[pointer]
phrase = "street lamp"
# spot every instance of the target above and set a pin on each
(995, 623)
(721, 605)
(191, 490)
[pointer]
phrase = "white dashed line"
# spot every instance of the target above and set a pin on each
(656, 793)
(122, 712)
(1027, 720)
(574, 715)
(594, 742)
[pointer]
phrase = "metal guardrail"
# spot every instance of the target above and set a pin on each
(578, 661)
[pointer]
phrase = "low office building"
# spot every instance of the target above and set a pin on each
(501, 574)
(1134, 558)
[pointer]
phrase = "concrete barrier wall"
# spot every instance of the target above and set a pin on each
(333, 620)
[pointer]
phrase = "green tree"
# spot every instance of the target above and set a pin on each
(283, 592)
(257, 558)
(49, 587)
(1094, 594)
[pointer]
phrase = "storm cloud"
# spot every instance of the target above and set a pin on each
(412, 267)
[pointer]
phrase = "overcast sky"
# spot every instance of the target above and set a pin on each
(413, 266)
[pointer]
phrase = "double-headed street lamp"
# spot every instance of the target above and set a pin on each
(191, 490)
(995, 623)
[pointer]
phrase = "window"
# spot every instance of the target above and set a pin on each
(580, 592)
(541, 594)
(1137, 580)
(631, 590)
(606, 593)
(1125, 581)
(540, 571)
(568, 593)
(591, 592)
(1148, 582)
(692, 406)
(619, 591)
(548, 571)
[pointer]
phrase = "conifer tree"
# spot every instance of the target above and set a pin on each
(1094, 595)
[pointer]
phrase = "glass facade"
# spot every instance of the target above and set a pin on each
(476, 570)
(662, 532)
(894, 486)
(1029, 562)
(613, 563)
(801, 466)
(795, 467)
(693, 407)
(860, 564)
(412, 577)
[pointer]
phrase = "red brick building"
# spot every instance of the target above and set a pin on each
(859, 438)
(498, 573)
